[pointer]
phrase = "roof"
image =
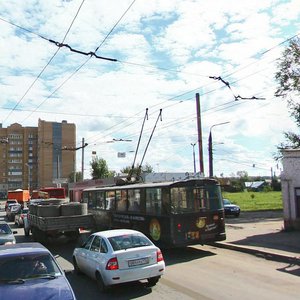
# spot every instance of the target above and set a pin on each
(116, 232)
(22, 248)
(254, 184)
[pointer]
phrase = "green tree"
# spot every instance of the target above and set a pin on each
(288, 79)
(78, 176)
(145, 169)
(100, 168)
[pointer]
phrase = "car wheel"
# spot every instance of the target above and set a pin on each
(153, 281)
(101, 286)
(76, 268)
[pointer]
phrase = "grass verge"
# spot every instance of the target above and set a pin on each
(253, 201)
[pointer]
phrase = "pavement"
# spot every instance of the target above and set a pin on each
(262, 234)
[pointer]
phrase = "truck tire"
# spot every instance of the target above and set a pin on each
(48, 210)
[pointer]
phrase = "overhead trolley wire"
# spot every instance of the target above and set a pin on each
(48, 63)
(83, 64)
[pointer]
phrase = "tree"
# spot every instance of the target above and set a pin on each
(100, 168)
(145, 169)
(288, 78)
(78, 177)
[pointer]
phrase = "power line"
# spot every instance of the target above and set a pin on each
(83, 64)
(48, 63)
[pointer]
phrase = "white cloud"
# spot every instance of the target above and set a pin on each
(166, 50)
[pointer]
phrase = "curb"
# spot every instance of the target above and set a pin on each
(269, 255)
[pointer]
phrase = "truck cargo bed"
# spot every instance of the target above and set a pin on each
(61, 223)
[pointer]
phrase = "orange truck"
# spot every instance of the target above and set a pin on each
(20, 195)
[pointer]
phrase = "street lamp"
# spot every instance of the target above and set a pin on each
(210, 150)
(193, 145)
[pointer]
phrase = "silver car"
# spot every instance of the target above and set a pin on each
(118, 256)
(6, 234)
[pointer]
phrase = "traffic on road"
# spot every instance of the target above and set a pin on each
(191, 273)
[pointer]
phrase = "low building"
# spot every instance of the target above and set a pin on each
(255, 186)
(290, 184)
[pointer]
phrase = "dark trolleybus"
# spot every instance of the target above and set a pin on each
(172, 214)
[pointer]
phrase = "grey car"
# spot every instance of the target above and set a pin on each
(6, 234)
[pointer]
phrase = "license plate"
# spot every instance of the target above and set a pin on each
(138, 262)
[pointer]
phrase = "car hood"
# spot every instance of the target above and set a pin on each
(4, 238)
(42, 289)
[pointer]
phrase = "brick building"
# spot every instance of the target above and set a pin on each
(32, 157)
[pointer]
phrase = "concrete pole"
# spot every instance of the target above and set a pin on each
(199, 134)
(82, 159)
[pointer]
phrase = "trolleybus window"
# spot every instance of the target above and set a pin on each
(100, 200)
(121, 197)
(134, 200)
(188, 199)
(91, 200)
(110, 201)
(153, 201)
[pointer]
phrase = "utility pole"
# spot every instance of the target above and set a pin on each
(210, 149)
(82, 159)
(83, 145)
(199, 134)
(194, 159)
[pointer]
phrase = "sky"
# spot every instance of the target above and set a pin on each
(155, 56)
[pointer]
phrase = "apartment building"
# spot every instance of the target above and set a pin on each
(33, 157)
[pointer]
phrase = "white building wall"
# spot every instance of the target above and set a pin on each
(290, 182)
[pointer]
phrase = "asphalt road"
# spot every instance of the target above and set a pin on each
(201, 272)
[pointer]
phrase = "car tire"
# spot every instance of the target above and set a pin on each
(76, 268)
(153, 281)
(101, 286)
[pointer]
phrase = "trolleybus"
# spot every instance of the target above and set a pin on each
(171, 214)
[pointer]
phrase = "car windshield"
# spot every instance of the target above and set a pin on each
(123, 242)
(29, 266)
(226, 201)
(5, 229)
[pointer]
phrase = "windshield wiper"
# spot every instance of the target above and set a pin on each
(42, 276)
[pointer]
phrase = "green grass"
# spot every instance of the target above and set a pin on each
(251, 201)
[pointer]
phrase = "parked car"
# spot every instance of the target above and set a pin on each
(19, 217)
(6, 234)
(29, 271)
(12, 210)
(118, 256)
(230, 208)
(10, 201)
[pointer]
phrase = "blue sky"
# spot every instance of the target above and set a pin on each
(166, 52)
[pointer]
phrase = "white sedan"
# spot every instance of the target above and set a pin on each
(119, 256)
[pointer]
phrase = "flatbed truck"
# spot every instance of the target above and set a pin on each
(47, 226)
